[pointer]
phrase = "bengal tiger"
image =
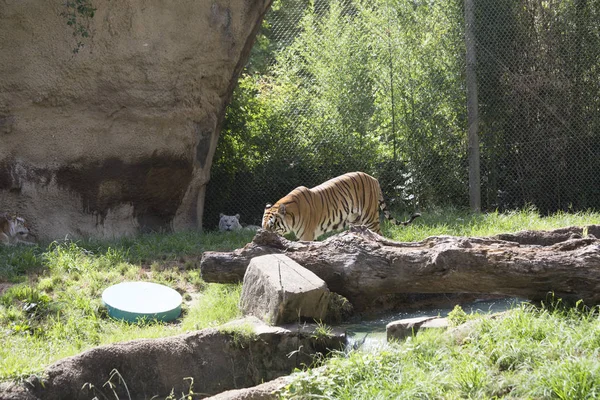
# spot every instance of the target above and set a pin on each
(350, 199)
(14, 230)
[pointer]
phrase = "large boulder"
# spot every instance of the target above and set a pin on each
(279, 290)
(118, 138)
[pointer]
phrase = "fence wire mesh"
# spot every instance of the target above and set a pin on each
(379, 86)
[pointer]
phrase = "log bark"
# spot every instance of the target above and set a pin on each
(364, 267)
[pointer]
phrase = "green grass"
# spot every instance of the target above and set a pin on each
(531, 353)
(550, 352)
(53, 310)
(462, 223)
(53, 306)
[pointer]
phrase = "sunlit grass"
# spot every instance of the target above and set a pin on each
(216, 305)
(54, 310)
(454, 222)
(530, 353)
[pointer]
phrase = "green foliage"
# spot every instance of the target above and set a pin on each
(457, 316)
(242, 335)
(18, 260)
(457, 222)
(322, 331)
(217, 305)
(378, 86)
(78, 14)
(354, 85)
(538, 101)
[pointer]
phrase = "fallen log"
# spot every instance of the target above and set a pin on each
(363, 266)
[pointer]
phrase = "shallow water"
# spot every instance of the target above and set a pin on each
(370, 334)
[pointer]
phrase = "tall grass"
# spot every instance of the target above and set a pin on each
(53, 309)
(530, 353)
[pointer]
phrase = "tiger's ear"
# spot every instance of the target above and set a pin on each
(282, 209)
(221, 215)
(269, 205)
(237, 216)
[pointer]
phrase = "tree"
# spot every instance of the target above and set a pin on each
(371, 86)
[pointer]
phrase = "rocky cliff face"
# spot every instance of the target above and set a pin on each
(118, 138)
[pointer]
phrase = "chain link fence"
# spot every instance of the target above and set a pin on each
(379, 86)
(539, 100)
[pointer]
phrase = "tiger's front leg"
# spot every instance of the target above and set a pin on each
(354, 218)
(371, 222)
(25, 242)
(4, 239)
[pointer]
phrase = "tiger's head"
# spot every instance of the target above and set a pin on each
(14, 229)
(274, 219)
(17, 226)
(229, 222)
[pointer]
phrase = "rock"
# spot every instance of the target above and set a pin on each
(462, 333)
(279, 290)
(118, 138)
(265, 391)
(435, 323)
(401, 329)
(241, 354)
(14, 391)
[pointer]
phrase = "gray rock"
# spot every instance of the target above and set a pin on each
(435, 323)
(265, 391)
(278, 290)
(401, 329)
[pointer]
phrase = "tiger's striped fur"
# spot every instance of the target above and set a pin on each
(350, 199)
(14, 230)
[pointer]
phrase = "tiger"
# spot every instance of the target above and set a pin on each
(232, 223)
(229, 222)
(354, 198)
(14, 230)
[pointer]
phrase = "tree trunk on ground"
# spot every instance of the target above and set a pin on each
(365, 267)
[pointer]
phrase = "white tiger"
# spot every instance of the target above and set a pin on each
(14, 230)
(229, 222)
(232, 223)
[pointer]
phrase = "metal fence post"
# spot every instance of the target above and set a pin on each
(472, 110)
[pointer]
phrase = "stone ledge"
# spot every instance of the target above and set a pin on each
(241, 354)
(401, 329)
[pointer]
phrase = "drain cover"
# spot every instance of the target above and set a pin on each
(132, 301)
